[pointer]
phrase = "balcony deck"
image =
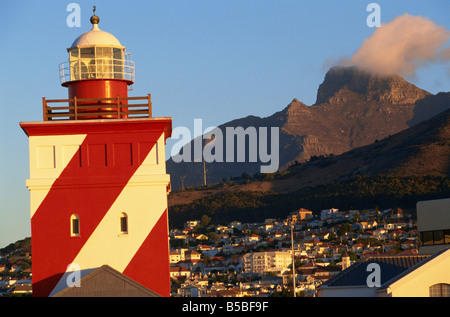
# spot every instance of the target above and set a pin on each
(96, 108)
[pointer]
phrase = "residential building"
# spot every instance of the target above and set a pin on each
(106, 282)
(191, 224)
(397, 213)
(408, 244)
(192, 255)
(318, 250)
(179, 271)
(208, 250)
(433, 224)
(300, 215)
(393, 276)
(189, 291)
(236, 224)
(192, 265)
(174, 257)
(345, 261)
(252, 238)
(231, 249)
(263, 262)
(15, 268)
(328, 213)
(22, 289)
(364, 225)
(358, 247)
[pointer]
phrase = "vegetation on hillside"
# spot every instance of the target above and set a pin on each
(362, 192)
(18, 248)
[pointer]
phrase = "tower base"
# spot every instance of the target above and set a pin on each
(86, 177)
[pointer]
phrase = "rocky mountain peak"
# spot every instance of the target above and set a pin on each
(296, 106)
(354, 109)
(384, 89)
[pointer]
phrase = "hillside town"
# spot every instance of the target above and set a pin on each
(257, 259)
(15, 269)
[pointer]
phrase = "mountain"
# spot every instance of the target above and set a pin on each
(392, 89)
(18, 248)
(397, 171)
(423, 149)
(353, 108)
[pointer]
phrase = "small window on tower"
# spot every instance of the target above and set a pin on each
(74, 226)
(123, 223)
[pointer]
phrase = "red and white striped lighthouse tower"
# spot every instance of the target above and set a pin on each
(98, 181)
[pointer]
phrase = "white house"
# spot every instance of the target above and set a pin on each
(207, 250)
(328, 213)
(231, 248)
(188, 291)
(175, 257)
(364, 225)
(179, 271)
(191, 223)
(252, 238)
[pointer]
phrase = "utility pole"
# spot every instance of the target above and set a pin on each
(203, 157)
(182, 182)
(293, 259)
(204, 172)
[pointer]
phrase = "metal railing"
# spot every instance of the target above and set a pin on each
(97, 68)
(97, 108)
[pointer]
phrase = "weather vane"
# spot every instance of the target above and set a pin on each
(95, 19)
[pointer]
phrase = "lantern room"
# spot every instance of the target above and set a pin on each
(97, 54)
(98, 75)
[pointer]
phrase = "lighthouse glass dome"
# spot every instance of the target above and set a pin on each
(97, 55)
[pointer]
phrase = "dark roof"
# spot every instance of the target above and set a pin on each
(107, 282)
(390, 267)
(409, 270)
(23, 288)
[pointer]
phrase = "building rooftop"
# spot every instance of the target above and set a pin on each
(107, 282)
(96, 37)
(390, 266)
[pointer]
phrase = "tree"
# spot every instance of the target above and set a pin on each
(205, 220)
(212, 236)
(345, 228)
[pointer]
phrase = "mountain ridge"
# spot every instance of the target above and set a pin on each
(421, 150)
(353, 109)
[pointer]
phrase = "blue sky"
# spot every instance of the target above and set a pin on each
(208, 59)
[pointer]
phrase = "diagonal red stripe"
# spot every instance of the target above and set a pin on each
(153, 258)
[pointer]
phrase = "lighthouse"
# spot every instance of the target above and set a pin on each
(98, 183)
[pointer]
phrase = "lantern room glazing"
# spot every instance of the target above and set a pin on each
(97, 55)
